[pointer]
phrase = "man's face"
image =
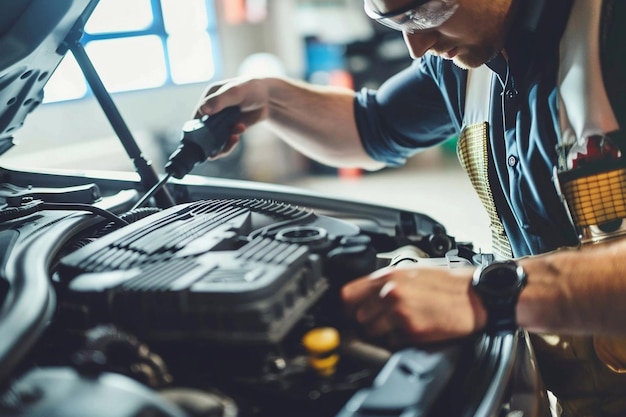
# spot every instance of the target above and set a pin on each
(470, 32)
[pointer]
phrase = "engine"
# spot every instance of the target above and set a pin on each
(221, 306)
(225, 272)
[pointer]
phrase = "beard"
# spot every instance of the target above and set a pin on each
(470, 56)
(474, 58)
(485, 35)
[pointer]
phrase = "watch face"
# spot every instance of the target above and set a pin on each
(499, 278)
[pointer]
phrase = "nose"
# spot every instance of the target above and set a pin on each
(419, 42)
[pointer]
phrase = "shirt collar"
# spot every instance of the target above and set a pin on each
(536, 30)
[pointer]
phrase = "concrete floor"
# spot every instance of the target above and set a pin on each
(438, 188)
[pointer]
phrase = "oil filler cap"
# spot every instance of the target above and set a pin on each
(322, 344)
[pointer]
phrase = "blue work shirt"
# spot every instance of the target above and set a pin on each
(424, 105)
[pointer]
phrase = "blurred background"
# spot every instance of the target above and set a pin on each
(156, 57)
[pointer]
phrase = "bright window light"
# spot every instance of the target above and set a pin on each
(126, 64)
(66, 83)
(120, 16)
(191, 57)
(140, 44)
(191, 18)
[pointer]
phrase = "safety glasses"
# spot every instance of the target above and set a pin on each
(417, 15)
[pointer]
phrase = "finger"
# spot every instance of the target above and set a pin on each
(216, 102)
(199, 111)
(353, 292)
(213, 88)
(368, 311)
(374, 304)
(387, 288)
(356, 297)
(228, 148)
(209, 108)
(381, 326)
(360, 288)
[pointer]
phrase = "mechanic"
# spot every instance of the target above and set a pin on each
(522, 82)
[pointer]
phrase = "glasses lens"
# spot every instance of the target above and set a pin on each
(427, 16)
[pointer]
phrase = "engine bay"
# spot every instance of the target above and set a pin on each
(216, 291)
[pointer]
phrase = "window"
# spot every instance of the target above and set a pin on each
(139, 44)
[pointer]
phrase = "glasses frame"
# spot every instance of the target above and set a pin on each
(409, 12)
(378, 15)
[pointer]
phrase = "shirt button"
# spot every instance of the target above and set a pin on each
(511, 94)
(512, 161)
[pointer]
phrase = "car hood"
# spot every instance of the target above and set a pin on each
(33, 39)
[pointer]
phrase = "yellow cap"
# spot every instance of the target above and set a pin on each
(322, 344)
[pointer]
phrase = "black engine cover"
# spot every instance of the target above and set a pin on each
(228, 271)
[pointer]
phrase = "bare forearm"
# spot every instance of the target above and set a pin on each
(576, 291)
(319, 122)
(316, 120)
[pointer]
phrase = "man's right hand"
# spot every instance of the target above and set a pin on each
(250, 95)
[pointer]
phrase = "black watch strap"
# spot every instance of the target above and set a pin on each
(498, 284)
(501, 317)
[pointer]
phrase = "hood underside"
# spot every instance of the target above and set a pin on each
(34, 35)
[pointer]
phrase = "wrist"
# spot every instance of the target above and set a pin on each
(478, 309)
(498, 286)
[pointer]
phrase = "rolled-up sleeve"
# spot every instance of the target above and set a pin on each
(411, 111)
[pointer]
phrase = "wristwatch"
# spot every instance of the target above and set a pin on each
(498, 284)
